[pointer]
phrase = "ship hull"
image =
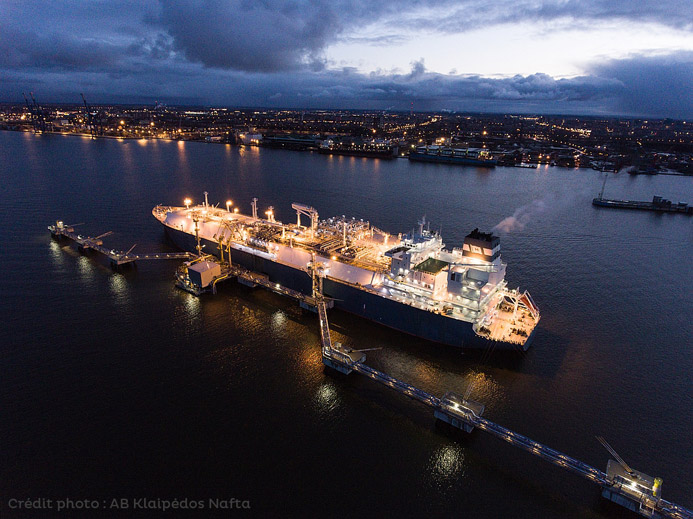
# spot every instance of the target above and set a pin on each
(414, 321)
(446, 159)
(387, 155)
(642, 206)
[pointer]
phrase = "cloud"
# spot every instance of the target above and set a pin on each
(466, 15)
(250, 36)
(639, 86)
(611, 88)
(245, 53)
(658, 86)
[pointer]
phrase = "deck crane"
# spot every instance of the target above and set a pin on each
(42, 116)
(38, 123)
(309, 212)
(33, 116)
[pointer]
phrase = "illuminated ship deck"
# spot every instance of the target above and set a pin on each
(462, 284)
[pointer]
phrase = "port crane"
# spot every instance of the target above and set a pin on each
(601, 193)
(96, 128)
(37, 113)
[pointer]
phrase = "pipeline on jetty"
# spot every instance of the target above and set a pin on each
(621, 484)
(117, 258)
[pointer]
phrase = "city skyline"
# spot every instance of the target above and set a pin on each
(591, 58)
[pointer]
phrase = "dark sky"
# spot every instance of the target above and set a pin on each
(565, 56)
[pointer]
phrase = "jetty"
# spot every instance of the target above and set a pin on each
(60, 231)
(620, 484)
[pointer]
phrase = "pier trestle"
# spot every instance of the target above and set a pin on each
(635, 491)
(60, 231)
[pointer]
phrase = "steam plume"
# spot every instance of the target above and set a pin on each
(521, 217)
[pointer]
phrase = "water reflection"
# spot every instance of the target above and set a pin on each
(120, 289)
(192, 306)
(311, 357)
(326, 398)
(483, 388)
(278, 320)
(56, 253)
(447, 463)
(86, 268)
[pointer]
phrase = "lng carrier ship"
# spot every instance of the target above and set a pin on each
(409, 282)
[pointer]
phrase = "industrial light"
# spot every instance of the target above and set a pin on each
(187, 203)
(229, 203)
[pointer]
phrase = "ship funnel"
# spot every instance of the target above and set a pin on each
(481, 245)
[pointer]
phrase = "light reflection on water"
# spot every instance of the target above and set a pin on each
(86, 267)
(326, 398)
(57, 254)
(120, 288)
(192, 306)
(483, 388)
(278, 320)
(447, 463)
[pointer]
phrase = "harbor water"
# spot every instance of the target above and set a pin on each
(117, 385)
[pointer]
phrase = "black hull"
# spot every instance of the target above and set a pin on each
(401, 317)
(641, 206)
(359, 153)
(460, 161)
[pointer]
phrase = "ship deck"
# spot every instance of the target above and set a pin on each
(356, 253)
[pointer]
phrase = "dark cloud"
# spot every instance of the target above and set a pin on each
(21, 49)
(263, 53)
(251, 36)
(640, 86)
(660, 86)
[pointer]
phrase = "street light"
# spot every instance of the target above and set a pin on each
(187, 203)
(229, 203)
